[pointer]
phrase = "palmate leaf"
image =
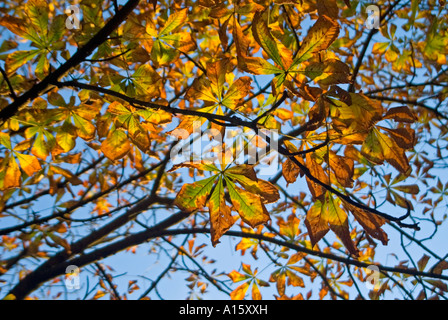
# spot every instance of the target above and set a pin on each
(327, 214)
(221, 218)
(193, 196)
(276, 51)
(248, 202)
(116, 145)
(320, 36)
(379, 147)
(249, 205)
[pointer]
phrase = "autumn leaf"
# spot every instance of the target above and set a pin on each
(328, 72)
(247, 178)
(240, 292)
(249, 205)
(320, 36)
(237, 91)
(28, 163)
(325, 215)
(194, 196)
(379, 147)
(116, 145)
(220, 216)
(370, 222)
(318, 172)
(400, 114)
(12, 175)
(275, 50)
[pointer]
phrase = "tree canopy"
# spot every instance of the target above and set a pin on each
(306, 140)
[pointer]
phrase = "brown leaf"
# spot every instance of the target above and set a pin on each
(328, 8)
(221, 218)
(370, 222)
(290, 171)
(316, 223)
(400, 114)
(318, 172)
(404, 137)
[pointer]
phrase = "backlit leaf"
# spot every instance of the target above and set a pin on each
(193, 196)
(220, 216)
(116, 145)
(249, 205)
(320, 36)
(28, 163)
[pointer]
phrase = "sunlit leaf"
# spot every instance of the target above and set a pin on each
(116, 145)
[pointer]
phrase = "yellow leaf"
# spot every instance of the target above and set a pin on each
(70, 176)
(316, 222)
(320, 36)
(256, 294)
(237, 91)
(294, 279)
(116, 145)
(266, 190)
(216, 73)
(201, 89)
(240, 292)
(28, 163)
(40, 148)
(84, 128)
(325, 215)
(12, 175)
(263, 36)
(174, 21)
(379, 147)
(257, 65)
(249, 205)
(237, 276)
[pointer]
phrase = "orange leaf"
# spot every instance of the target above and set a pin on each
(116, 145)
(320, 36)
(370, 222)
(28, 163)
(12, 175)
(240, 292)
(220, 217)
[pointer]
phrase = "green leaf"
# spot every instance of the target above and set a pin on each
(37, 12)
(193, 196)
(18, 58)
(264, 38)
(174, 21)
(249, 205)
(320, 36)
